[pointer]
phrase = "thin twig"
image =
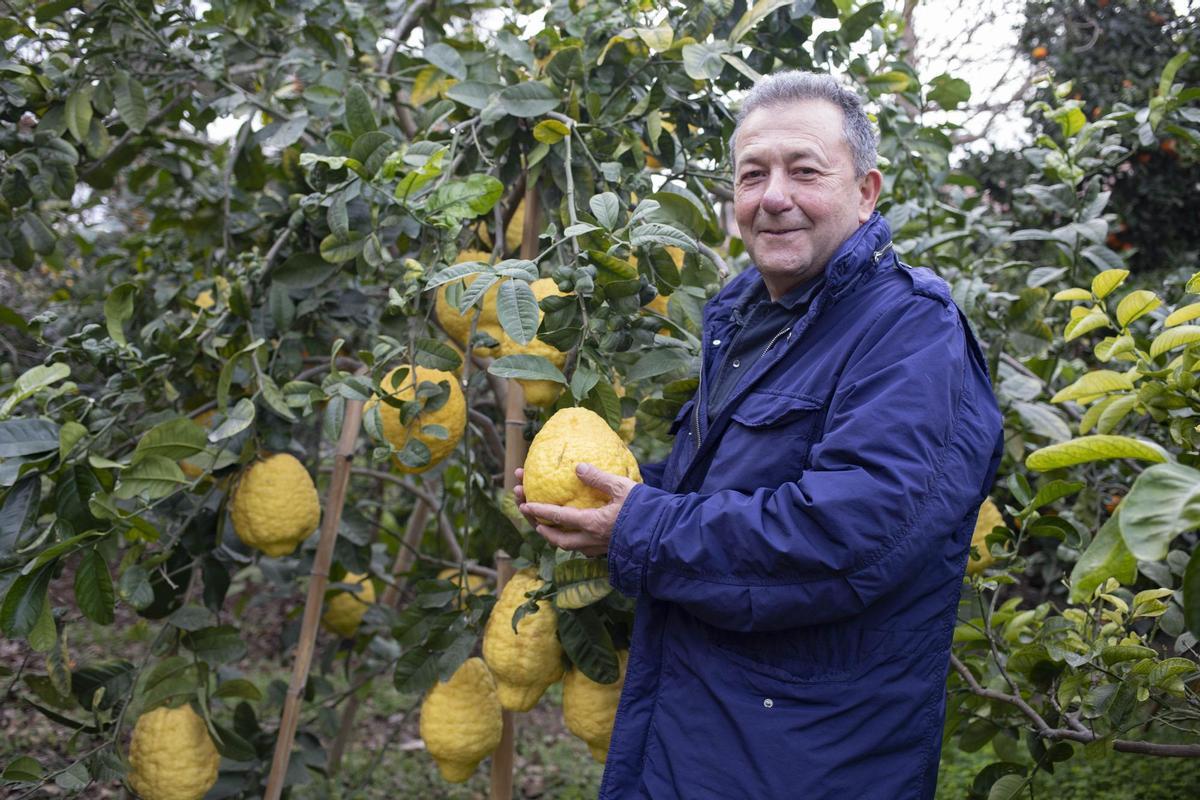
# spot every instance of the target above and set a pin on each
(400, 33)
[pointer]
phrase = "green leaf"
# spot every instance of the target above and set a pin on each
(1163, 503)
(658, 233)
(118, 308)
(134, 587)
(703, 62)
(114, 677)
(360, 118)
(1114, 412)
(150, 478)
(1106, 557)
(1073, 295)
(436, 355)
(1136, 304)
(68, 437)
(19, 514)
(447, 59)
(303, 271)
(23, 604)
(1093, 448)
(1174, 337)
(467, 198)
(517, 308)
(1191, 594)
(1009, 787)
(94, 591)
(588, 644)
(239, 688)
(754, 15)
(1105, 282)
(416, 671)
(607, 209)
(1097, 382)
(338, 251)
(949, 92)
(527, 368)
(216, 645)
(528, 99)
(473, 93)
(26, 437)
(550, 131)
(610, 269)
(1051, 492)
(78, 112)
(22, 769)
(31, 382)
(130, 99)
(581, 582)
(659, 362)
(657, 39)
(174, 439)
(237, 419)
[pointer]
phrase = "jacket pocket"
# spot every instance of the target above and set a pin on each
(683, 417)
(767, 440)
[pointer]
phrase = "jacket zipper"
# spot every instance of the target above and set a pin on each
(696, 405)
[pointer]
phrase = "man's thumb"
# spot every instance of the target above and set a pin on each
(596, 478)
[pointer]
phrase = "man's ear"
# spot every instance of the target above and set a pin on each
(869, 187)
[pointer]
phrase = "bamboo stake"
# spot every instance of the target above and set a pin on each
(514, 456)
(505, 755)
(404, 561)
(336, 499)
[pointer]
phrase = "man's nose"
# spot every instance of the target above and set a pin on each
(776, 198)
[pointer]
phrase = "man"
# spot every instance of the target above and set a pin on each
(798, 558)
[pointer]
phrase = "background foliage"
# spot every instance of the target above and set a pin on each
(157, 274)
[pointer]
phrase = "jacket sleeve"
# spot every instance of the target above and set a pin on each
(652, 474)
(888, 480)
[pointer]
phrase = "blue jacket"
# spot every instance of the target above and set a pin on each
(797, 563)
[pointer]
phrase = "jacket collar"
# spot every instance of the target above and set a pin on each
(854, 259)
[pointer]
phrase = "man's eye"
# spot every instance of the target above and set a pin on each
(805, 172)
(750, 175)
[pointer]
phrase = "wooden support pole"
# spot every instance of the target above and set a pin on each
(514, 456)
(505, 755)
(405, 557)
(335, 500)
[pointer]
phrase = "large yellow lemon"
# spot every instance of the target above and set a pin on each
(451, 414)
(461, 720)
(538, 393)
(275, 505)
(345, 610)
(569, 437)
(589, 708)
(527, 661)
(989, 517)
(171, 756)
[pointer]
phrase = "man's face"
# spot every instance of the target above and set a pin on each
(795, 195)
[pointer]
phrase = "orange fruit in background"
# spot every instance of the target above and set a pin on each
(1039, 53)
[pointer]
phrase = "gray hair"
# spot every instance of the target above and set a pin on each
(795, 86)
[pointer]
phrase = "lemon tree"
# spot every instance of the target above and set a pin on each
(232, 225)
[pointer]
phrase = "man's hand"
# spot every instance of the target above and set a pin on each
(587, 530)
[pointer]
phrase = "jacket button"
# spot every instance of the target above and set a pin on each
(716, 342)
(768, 703)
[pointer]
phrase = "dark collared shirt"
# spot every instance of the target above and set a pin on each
(759, 320)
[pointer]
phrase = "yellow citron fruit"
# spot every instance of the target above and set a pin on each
(476, 584)
(589, 707)
(570, 437)
(191, 470)
(275, 505)
(451, 414)
(628, 427)
(538, 393)
(527, 661)
(171, 756)
(512, 233)
(989, 517)
(461, 720)
(458, 325)
(345, 610)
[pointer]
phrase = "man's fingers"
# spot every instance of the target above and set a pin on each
(569, 540)
(561, 516)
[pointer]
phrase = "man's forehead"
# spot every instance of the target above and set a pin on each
(798, 127)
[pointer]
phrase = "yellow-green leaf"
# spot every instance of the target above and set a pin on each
(1085, 324)
(1174, 337)
(893, 81)
(1113, 346)
(1102, 381)
(1182, 315)
(1093, 448)
(1114, 412)
(657, 39)
(753, 16)
(1105, 282)
(430, 84)
(1074, 294)
(550, 131)
(1136, 304)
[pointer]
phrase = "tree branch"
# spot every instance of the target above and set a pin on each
(403, 28)
(1075, 734)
